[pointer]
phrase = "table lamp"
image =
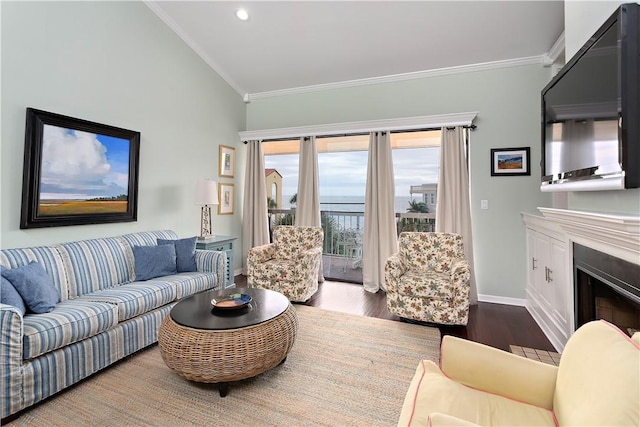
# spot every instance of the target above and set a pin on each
(206, 195)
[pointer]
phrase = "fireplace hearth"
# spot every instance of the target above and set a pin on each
(606, 288)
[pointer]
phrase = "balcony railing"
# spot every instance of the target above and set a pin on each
(343, 230)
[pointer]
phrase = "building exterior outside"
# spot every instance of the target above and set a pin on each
(273, 181)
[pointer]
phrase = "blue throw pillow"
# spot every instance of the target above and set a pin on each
(185, 253)
(34, 286)
(9, 295)
(154, 261)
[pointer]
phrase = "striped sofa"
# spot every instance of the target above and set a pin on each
(104, 314)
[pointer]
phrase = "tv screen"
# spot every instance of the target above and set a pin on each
(581, 115)
(590, 112)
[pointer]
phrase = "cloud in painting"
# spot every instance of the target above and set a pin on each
(75, 166)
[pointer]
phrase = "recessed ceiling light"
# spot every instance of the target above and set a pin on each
(242, 14)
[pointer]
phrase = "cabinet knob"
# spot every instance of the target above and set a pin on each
(533, 263)
(549, 273)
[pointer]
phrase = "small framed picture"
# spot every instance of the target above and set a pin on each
(227, 161)
(510, 161)
(225, 205)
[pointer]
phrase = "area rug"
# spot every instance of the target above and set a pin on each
(343, 370)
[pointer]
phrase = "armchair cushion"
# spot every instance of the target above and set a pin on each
(430, 251)
(432, 391)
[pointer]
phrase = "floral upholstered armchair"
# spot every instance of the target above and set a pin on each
(290, 264)
(428, 279)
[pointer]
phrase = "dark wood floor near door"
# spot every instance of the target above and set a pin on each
(497, 325)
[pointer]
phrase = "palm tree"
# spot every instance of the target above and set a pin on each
(417, 207)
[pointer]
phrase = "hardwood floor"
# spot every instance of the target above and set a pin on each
(496, 325)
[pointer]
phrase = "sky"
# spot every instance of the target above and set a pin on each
(80, 165)
(345, 173)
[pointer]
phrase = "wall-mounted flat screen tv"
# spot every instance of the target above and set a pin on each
(590, 112)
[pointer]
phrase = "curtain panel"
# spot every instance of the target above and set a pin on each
(255, 222)
(380, 236)
(453, 209)
(308, 199)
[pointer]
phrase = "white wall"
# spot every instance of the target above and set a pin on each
(582, 20)
(116, 63)
(508, 104)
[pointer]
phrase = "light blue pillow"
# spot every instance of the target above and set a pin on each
(185, 253)
(154, 261)
(9, 295)
(34, 286)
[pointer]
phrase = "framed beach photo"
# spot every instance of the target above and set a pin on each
(227, 161)
(510, 161)
(225, 205)
(77, 172)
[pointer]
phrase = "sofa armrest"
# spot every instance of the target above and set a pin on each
(393, 269)
(11, 331)
(499, 372)
(208, 261)
(437, 419)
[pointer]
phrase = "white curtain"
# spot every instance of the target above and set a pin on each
(308, 200)
(380, 238)
(255, 224)
(453, 211)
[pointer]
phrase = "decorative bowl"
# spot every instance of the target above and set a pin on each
(231, 302)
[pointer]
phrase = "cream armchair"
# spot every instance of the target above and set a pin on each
(596, 384)
(290, 264)
(428, 279)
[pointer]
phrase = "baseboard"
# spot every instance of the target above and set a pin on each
(502, 300)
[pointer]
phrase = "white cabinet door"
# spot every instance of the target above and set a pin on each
(556, 276)
(532, 261)
(543, 252)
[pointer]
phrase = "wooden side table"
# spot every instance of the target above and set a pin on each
(221, 243)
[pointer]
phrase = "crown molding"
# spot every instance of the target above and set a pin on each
(151, 4)
(404, 123)
(404, 76)
(556, 50)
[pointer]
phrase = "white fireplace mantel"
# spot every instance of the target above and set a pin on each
(614, 234)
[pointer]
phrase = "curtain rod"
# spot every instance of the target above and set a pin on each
(338, 135)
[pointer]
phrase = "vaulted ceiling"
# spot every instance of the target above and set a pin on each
(300, 44)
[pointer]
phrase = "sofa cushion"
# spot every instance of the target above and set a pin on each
(34, 286)
(97, 264)
(431, 391)
(69, 322)
(185, 253)
(425, 284)
(187, 284)
(154, 261)
(9, 295)
(149, 238)
(48, 257)
(135, 298)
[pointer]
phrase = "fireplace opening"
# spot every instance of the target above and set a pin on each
(606, 288)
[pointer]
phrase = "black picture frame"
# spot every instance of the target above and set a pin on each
(77, 172)
(510, 161)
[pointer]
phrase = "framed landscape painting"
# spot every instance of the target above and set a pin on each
(77, 172)
(510, 161)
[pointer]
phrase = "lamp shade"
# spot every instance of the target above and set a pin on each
(207, 192)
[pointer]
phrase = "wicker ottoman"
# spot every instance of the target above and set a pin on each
(228, 347)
